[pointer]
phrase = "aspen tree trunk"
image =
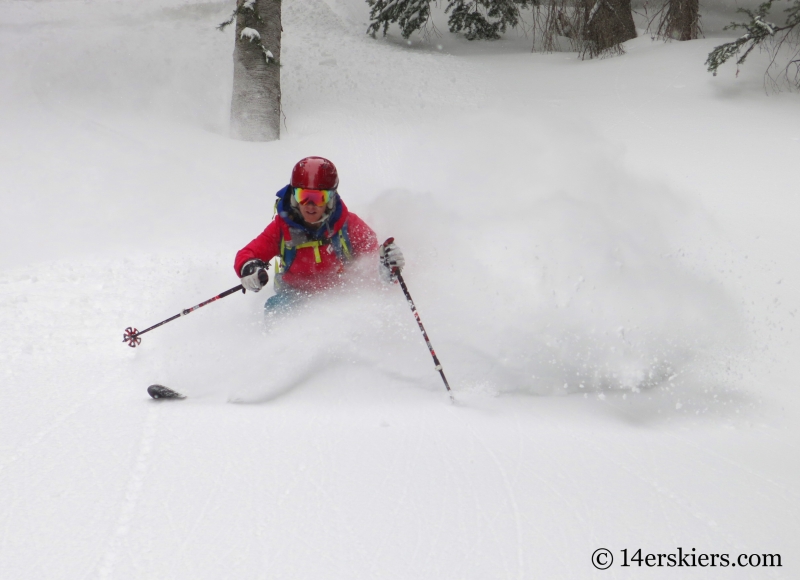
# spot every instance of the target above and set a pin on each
(256, 102)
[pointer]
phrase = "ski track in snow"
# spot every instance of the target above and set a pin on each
(713, 532)
(335, 480)
(133, 492)
(31, 442)
(790, 496)
(575, 510)
(509, 490)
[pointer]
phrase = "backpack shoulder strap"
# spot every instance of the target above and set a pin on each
(342, 245)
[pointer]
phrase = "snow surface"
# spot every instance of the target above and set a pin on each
(605, 255)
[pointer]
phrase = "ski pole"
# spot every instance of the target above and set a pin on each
(436, 362)
(132, 336)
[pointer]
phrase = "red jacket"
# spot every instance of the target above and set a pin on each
(305, 272)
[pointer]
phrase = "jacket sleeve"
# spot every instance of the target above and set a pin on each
(362, 238)
(265, 247)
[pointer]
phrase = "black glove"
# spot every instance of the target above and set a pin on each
(254, 275)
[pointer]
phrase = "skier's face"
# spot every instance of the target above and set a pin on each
(312, 213)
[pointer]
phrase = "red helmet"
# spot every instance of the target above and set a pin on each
(315, 173)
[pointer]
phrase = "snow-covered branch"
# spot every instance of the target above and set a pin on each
(758, 31)
(250, 34)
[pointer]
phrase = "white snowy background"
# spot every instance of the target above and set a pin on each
(605, 254)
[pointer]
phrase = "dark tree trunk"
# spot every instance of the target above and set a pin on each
(680, 19)
(256, 102)
(607, 24)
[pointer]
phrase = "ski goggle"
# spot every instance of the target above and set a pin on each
(318, 197)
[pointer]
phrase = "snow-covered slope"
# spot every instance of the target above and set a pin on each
(603, 253)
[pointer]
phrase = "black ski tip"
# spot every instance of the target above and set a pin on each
(162, 392)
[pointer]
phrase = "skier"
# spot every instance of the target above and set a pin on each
(315, 237)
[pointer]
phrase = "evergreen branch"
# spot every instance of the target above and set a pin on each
(410, 15)
(758, 30)
(484, 19)
(477, 19)
(222, 26)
